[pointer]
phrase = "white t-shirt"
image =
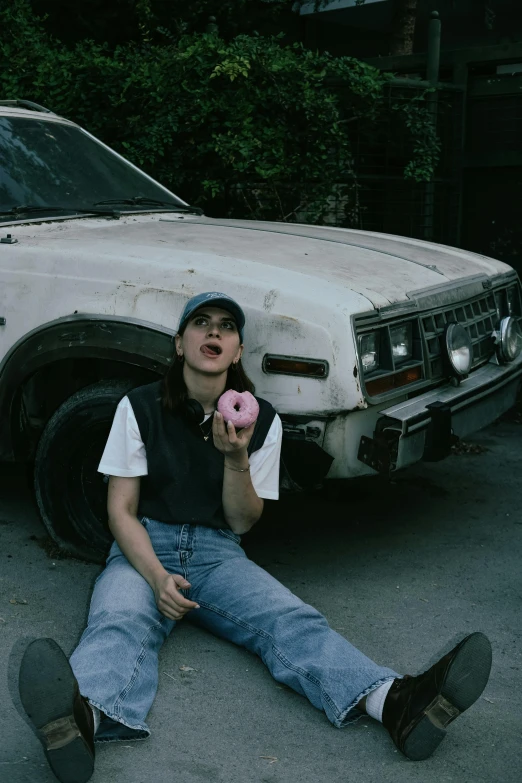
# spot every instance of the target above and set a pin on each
(125, 454)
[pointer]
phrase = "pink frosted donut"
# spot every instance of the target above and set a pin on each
(241, 408)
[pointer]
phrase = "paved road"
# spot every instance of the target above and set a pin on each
(398, 569)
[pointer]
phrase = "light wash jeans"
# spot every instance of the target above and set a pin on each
(116, 661)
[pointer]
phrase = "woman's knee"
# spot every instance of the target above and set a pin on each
(121, 589)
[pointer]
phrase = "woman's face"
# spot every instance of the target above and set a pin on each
(210, 342)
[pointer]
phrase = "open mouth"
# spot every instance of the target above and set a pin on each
(211, 350)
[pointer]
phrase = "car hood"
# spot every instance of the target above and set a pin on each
(383, 268)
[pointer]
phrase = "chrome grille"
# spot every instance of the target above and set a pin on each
(480, 314)
(479, 318)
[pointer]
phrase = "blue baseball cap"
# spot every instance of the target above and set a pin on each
(214, 299)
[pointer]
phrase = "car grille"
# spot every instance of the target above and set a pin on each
(479, 318)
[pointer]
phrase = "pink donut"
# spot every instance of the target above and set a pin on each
(241, 408)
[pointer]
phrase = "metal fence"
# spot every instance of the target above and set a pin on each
(383, 200)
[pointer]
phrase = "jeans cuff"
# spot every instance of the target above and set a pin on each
(121, 729)
(352, 713)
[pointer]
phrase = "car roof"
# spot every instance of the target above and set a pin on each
(37, 114)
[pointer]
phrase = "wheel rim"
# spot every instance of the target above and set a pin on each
(71, 494)
(86, 499)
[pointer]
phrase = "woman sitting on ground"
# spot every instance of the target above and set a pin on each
(184, 487)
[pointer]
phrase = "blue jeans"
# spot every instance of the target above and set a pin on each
(116, 661)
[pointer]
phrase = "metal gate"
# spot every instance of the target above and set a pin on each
(387, 201)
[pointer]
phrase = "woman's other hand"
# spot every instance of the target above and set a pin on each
(169, 600)
(227, 439)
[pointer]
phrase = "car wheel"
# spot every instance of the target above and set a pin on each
(70, 493)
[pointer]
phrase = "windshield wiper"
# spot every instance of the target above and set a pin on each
(139, 201)
(27, 209)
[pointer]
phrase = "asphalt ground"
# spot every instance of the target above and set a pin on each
(398, 568)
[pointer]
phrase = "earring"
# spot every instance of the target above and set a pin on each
(180, 357)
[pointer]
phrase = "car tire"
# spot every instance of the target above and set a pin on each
(70, 493)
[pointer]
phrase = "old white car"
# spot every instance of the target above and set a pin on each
(376, 350)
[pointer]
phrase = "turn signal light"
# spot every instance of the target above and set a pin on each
(290, 365)
(395, 381)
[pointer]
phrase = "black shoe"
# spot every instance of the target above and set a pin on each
(62, 717)
(418, 709)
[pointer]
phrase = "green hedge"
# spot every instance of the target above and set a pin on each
(247, 127)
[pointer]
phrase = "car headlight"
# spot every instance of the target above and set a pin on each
(401, 342)
(369, 351)
(508, 339)
(459, 349)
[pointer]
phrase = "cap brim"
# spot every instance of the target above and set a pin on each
(222, 304)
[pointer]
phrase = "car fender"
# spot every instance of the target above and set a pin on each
(129, 340)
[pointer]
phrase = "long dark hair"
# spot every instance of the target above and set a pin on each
(174, 390)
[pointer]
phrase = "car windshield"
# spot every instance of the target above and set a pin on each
(52, 165)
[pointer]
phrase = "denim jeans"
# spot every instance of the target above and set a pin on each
(116, 661)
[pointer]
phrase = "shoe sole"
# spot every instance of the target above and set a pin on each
(463, 683)
(48, 689)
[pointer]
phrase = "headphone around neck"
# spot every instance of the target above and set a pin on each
(193, 411)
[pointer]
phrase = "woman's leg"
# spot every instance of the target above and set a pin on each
(244, 604)
(116, 661)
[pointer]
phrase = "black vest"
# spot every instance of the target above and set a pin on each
(185, 480)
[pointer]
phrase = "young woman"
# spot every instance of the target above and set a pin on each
(183, 488)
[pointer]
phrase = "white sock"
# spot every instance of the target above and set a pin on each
(96, 715)
(375, 700)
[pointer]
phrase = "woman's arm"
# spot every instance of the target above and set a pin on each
(241, 504)
(135, 543)
(132, 538)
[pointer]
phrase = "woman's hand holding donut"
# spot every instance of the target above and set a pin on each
(169, 600)
(228, 440)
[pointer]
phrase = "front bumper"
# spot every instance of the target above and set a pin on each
(425, 427)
